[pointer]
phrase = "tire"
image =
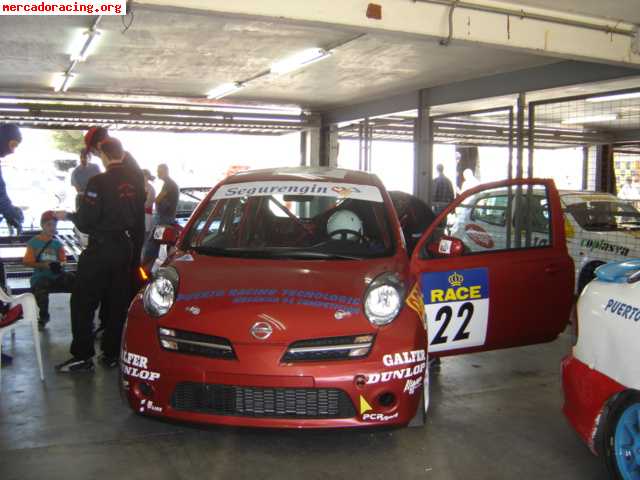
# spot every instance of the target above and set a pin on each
(587, 274)
(621, 438)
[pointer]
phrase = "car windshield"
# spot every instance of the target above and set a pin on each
(293, 219)
(605, 215)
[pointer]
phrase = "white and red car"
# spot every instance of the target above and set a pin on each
(601, 377)
(599, 227)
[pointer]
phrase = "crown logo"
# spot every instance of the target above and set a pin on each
(456, 279)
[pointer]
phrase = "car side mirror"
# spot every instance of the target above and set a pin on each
(166, 234)
(446, 247)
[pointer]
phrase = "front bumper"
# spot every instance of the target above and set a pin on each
(257, 390)
(586, 392)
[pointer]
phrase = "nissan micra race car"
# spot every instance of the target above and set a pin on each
(289, 300)
(599, 227)
(601, 377)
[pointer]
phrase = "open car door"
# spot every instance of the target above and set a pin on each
(494, 269)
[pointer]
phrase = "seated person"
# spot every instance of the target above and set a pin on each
(46, 255)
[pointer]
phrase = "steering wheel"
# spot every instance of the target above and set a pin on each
(344, 232)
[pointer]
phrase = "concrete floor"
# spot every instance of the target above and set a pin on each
(492, 416)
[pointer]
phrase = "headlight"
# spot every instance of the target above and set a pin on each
(383, 299)
(160, 294)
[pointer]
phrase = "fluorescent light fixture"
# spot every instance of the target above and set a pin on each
(62, 81)
(299, 60)
(495, 113)
(590, 119)
(224, 90)
(611, 98)
(83, 45)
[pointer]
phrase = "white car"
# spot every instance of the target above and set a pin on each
(599, 227)
(601, 377)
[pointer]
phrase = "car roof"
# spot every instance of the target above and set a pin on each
(586, 193)
(314, 174)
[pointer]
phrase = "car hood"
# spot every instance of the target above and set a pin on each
(299, 299)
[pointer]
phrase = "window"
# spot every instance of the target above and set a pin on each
(491, 209)
(504, 218)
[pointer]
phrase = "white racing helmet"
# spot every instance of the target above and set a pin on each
(344, 221)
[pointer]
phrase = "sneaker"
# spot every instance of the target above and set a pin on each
(108, 362)
(75, 365)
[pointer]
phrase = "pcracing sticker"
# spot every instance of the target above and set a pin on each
(321, 189)
(457, 308)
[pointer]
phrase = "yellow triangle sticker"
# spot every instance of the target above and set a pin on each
(364, 405)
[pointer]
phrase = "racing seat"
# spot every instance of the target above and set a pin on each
(29, 315)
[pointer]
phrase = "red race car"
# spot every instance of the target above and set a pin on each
(290, 300)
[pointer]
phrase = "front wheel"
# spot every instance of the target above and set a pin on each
(622, 439)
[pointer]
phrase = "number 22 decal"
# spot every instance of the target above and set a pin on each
(444, 315)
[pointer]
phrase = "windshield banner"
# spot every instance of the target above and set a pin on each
(319, 189)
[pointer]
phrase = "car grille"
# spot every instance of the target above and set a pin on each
(192, 343)
(331, 348)
(262, 402)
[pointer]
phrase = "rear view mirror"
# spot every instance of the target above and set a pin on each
(166, 234)
(446, 247)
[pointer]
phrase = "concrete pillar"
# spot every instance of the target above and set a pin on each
(329, 145)
(313, 147)
(423, 154)
(522, 104)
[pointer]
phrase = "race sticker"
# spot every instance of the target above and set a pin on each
(322, 189)
(457, 308)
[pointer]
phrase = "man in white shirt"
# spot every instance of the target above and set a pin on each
(149, 200)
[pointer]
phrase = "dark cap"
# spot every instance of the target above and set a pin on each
(8, 132)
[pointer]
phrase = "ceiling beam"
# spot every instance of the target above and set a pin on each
(486, 22)
(561, 74)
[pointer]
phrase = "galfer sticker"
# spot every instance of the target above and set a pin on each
(412, 363)
(457, 308)
(137, 366)
(322, 189)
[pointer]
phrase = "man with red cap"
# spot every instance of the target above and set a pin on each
(93, 140)
(111, 209)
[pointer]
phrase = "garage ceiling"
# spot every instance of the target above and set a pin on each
(623, 10)
(182, 55)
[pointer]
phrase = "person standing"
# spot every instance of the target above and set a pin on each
(82, 174)
(93, 140)
(443, 193)
(166, 207)
(627, 192)
(109, 212)
(10, 138)
(470, 180)
(149, 201)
